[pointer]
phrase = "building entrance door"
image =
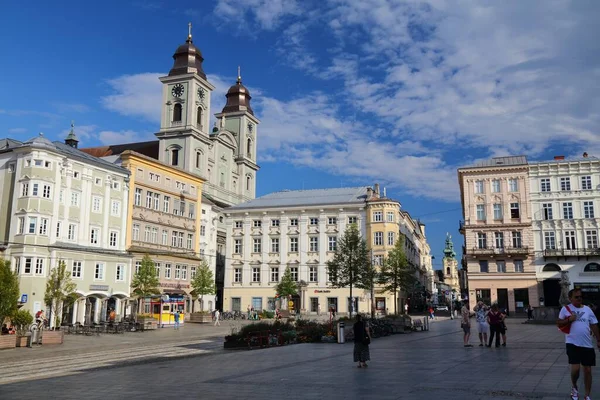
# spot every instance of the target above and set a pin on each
(551, 292)
(503, 300)
(521, 300)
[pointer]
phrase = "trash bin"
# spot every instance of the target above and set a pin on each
(425, 323)
(340, 332)
(35, 336)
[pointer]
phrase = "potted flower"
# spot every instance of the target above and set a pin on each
(22, 320)
(201, 317)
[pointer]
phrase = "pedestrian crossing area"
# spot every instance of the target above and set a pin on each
(61, 365)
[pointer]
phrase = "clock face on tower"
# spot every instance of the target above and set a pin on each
(201, 94)
(178, 90)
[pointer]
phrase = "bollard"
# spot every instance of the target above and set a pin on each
(340, 333)
(426, 323)
(35, 336)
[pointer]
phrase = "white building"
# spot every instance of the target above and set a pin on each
(565, 196)
(60, 204)
(296, 229)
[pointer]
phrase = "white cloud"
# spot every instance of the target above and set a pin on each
(267, 14)
(136, 95)
(126, 136)
(17, 130)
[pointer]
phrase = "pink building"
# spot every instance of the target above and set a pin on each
(497, 229)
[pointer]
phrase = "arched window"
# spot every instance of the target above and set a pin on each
(199, 117)
(248, 178)
(551, 268)
(199, 159)
(175, 157)
(592, 267)
(249, 148)
(177, 113)
(448, 271)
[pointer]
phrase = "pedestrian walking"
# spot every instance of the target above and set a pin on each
(494, 318)
(176, 318)
(579, 322)
(465, 324)
(248, 312)
(431, 314)
(529, 312)
(481, 312)
(503, 327)
(406, 308)
(217, 315)
(362, 340)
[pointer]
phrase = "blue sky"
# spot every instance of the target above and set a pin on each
(350, 92)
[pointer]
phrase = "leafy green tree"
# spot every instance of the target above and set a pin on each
(9, 290)
(21, 320)
(60, 290)
(204, 282)
(287, 286)
(350, 265)
(396, 272)
(369, 278)
(145, 282)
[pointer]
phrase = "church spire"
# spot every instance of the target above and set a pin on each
(449, 248)
(71, 139)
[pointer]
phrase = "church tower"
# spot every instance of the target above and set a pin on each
(225, 157)
(450, 265)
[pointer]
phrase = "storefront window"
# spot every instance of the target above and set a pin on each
(314, 304)
(332, 304)
(236, 304)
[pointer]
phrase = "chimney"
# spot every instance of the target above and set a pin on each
(377, 189)
(559, 157)
(369, 193)
(585, 155)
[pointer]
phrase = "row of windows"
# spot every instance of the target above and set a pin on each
(153, 202)
(35, 266)
(313, 244)
(180, 270)
(41, 226)
(257, 223)
(515, 211)
(567, 210)
(570, 242)
(513, 186)
(115, 206)
(378, 216)
(378, 238)
(36, 190)
(151, 235)
(48, 165)
(498, 237)
(313, 274)
(585, 183)
(501, 266)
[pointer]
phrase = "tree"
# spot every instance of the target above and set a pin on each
(350, 264)
(287, 286)
(145, 281)
(60, 291)
(203, 283)
(396, 272)
(368, 280)
(9, 290)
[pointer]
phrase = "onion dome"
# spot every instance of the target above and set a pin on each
(238, 97)
(188, 58)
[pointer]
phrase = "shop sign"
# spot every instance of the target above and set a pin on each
(174, 285)
(322, 291)
(23, 298)
(102, 288)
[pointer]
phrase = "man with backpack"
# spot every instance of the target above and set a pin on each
(40, 318)
(578, 322)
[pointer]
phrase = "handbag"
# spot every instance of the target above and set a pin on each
(367, 340)
(566, 329)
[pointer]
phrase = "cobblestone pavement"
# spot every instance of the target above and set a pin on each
(431, 364)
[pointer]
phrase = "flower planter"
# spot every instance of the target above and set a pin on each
(200, 318)
(53, 337)
(22, 341)
(7, 342)
(148, 323)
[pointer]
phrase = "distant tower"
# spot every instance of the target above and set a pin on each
(450, 265)
(71, 139)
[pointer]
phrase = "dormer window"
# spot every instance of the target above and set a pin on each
(177, 111)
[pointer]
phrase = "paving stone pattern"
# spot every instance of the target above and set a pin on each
(431, 364)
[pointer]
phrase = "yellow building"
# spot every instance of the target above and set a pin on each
(164, 221)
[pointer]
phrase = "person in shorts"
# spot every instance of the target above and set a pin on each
(482, 326)
(465, 324)
(580, 348)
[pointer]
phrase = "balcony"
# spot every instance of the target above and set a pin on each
(565, 253)
(508, 251)
(461, 227)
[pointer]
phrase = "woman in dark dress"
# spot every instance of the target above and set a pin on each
(494, 318)
(362, 338)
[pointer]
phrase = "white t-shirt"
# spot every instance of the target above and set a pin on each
(581, 334)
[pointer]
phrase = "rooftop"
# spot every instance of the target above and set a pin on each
(502, 161)
(149, 149)
(559, 160)
(313, 197)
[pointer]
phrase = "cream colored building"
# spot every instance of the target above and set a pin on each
(60, 204)
(565, 201)
(498, 240)
(296, 229)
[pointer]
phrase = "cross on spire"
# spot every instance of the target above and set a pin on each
(189, 31)
(239, 77)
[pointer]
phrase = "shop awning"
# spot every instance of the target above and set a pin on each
(175, 291)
